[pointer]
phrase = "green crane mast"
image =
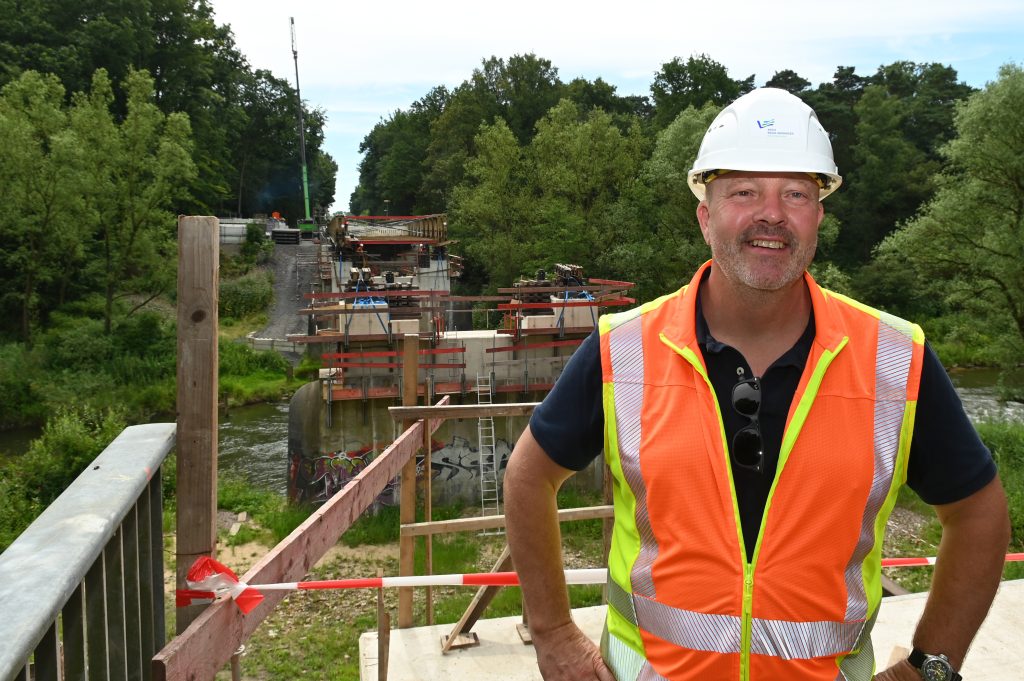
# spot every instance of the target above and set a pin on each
(307, 226)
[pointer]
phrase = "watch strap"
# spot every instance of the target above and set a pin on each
(917, 657)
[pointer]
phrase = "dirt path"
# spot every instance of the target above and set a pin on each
(293, 271)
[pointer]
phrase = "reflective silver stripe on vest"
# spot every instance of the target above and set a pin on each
(626, 664)
(892, 369)
(693, 630)
(803, 640)
(685, 628)
(626, 351)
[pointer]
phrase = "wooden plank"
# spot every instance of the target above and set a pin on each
(389, 353)
(330, 312)
(207, 645)
(536, 346)
(389, 365)
(428, 516)
(611, 282)
(561, 288)
(463, 411)
(198, 273)
(390, 293)
(383, 634)
(407, 501)
(493, 521)
(478, 605)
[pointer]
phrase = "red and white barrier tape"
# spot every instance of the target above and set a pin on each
(208, 579)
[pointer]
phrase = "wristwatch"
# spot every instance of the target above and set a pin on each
(933, 667)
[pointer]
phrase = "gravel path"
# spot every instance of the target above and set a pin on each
(289, 289)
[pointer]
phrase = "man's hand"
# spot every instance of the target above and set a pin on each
(566, 654)
(901, 671)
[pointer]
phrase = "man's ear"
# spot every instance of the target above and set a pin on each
(704, 216)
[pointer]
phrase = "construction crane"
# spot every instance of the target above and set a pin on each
(307, 226)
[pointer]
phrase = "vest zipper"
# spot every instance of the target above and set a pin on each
(748, 617)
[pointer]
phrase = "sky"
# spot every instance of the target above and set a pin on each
(360, 61)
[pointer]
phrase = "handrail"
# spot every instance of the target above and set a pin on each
(62, 566)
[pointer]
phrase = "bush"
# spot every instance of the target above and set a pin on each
(246, 295)
(1006, 441)
(19, 403)
(69, 443)
(238, 359)
(256, 248)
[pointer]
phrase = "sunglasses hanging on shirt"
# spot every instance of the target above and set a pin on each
(747, 445)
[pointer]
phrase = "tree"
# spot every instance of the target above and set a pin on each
(652, 232)
(970, 236)
(491, 211)
(40, 186)
(789, 80)
(891, 177)
(583, 163)
(196, 69)
(695, 82)
(519, 91)
(393, 164)
(138, 169)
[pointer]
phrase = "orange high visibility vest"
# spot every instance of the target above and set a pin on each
(684, 603)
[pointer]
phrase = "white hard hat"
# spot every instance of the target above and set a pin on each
(766, 130)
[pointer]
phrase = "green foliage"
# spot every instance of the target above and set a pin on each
(249, 294)
(694, 83)
(19, 402)
(969, 235)
(378, 527)
(1006, 442)
(70, 441)
(268, 510)
(41, 185)
(238, 359)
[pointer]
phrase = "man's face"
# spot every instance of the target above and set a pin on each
(762, 227)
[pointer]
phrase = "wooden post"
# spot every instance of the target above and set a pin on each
(428, 510)
(407, 504)
(198, 271)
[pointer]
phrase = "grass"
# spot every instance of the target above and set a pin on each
(315, 635)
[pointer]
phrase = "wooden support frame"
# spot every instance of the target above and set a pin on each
(407, 508)
(484, 595)
(208, 643)
(490, 522)
(463, 411)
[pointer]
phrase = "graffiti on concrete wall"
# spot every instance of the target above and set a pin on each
(454, 470)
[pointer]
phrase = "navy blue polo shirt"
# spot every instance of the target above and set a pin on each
(948, 461)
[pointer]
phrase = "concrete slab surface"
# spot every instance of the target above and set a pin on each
(416, 653)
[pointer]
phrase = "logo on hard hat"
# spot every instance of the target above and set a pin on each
(766, 123)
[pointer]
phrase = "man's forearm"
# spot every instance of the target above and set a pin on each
(531, 513)
(975, 534)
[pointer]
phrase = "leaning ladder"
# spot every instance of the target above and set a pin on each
(489, 502)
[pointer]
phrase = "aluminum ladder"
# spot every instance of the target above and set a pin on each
(490, 504)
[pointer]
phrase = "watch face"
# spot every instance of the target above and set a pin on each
(936, 669)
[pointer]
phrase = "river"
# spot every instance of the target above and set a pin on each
(254, 439)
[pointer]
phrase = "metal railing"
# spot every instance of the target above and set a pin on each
(81, 590)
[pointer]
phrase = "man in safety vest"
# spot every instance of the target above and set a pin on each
(758, 429)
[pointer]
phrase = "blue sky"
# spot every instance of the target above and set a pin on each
(359, 61)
